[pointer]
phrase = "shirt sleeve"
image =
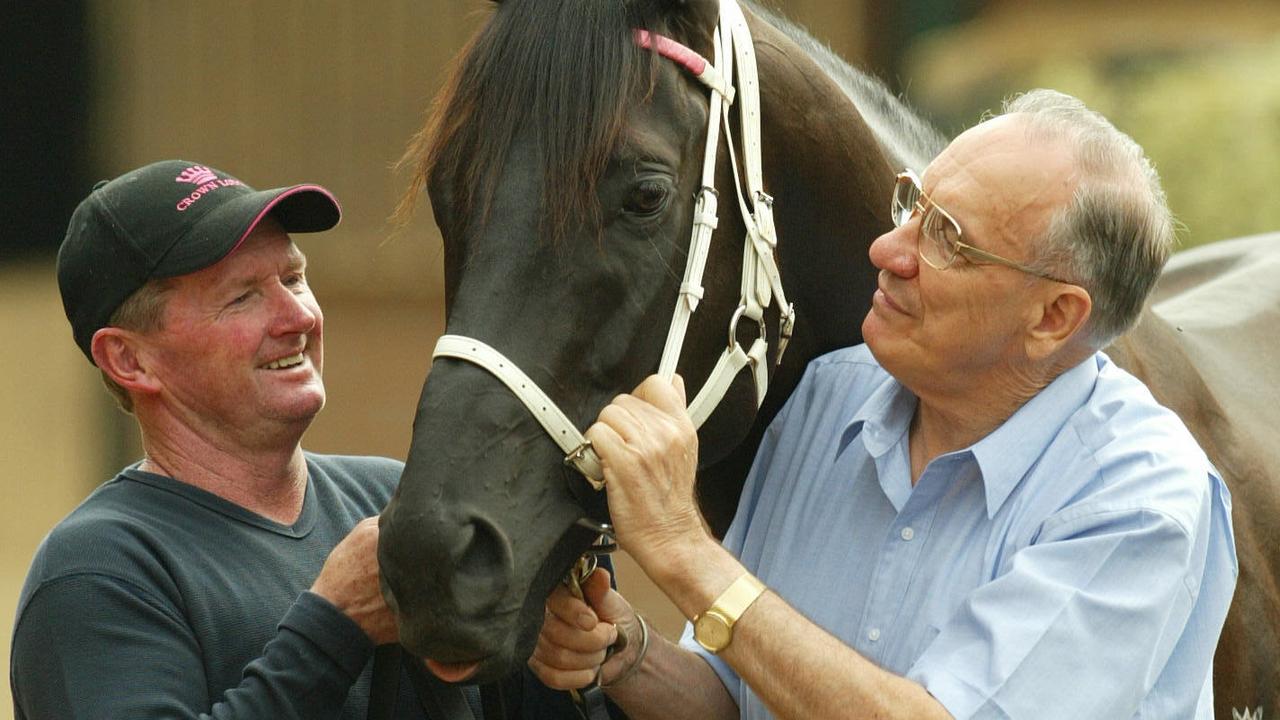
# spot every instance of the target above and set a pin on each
(1080, 626)
(94, 646)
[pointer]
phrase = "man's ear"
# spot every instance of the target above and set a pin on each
(1060, 316)
(117, 353)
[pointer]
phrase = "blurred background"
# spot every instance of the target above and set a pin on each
(280, 92)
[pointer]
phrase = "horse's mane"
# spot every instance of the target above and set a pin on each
(535, 64)
(905, 137)
(566, 73)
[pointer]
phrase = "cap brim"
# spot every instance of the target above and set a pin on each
(298, 209)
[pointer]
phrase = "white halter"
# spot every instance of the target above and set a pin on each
(761, 281)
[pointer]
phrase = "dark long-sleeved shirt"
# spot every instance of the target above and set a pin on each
(155, 599)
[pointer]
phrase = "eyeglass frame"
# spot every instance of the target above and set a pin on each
(971, 253)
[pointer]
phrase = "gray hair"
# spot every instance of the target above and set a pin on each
(1115, 235)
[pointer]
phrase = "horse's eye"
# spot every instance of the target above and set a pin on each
(647, 198)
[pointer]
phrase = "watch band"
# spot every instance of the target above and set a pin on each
(738, 597)
(713, 629)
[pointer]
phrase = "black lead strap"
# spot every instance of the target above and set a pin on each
(440, 701)
(493, 701)
(385, 685)
(591, 703)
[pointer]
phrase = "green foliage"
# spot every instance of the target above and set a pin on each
(1209, 120)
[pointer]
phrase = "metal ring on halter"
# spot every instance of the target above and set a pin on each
(733, 325)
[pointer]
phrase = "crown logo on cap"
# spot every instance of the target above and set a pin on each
(196, 175)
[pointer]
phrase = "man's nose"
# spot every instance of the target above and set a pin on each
(294, 312)
(897, 251)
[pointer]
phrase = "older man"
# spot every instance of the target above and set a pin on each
(974, 515)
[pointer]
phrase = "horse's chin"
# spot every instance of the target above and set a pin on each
(478, 670)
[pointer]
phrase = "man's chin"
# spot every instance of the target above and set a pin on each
(301, 409)
(879, 340)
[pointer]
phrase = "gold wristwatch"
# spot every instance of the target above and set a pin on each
(713, 629)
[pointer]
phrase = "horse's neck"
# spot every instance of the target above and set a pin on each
(832, 178)
(906, 138)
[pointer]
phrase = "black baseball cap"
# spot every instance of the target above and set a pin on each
(163, 220)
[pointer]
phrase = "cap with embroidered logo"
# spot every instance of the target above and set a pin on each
(163, 220)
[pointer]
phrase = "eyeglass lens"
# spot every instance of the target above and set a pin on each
(905, 195)
(939, 232)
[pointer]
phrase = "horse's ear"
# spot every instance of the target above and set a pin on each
(700, 16)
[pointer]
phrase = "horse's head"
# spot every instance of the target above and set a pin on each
(564, 163)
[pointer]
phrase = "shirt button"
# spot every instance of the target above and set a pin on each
(874, 634)
(908, 533)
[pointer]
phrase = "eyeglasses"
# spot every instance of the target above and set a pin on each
(940, 233)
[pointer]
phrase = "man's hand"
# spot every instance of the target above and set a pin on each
(648, 449)
(575, 637)
(349, 580)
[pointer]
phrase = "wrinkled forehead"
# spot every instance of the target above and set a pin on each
(999, 174)
(268, 251)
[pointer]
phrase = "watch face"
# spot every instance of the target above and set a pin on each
(712, 632)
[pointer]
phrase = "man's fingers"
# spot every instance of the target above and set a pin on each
(606, 441)
(608, 604)
(596, 588)
(663, 394)
(560, 679)
(559, 633)
(577, 650)
(624, 417)
(563, 605)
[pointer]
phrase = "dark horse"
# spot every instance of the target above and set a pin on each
(562, 166)
(563, 161)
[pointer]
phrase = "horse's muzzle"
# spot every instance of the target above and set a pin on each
(449, 585)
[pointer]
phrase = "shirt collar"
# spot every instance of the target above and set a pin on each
(1007, 453)
(882, 419)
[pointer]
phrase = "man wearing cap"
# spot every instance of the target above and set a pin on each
(228, 574)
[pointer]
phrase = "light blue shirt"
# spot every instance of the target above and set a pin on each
(1075, 563)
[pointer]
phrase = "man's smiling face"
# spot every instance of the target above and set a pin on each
(241, 347)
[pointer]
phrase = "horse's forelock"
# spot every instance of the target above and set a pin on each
(566, 73)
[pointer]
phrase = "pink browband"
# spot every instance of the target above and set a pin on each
(672, 50)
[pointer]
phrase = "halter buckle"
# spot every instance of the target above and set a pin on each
(575, 458)
(786, 324)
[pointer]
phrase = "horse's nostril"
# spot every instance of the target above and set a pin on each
(483, 567)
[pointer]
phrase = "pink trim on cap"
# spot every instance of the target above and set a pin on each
(276, 201)
(672, 50)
